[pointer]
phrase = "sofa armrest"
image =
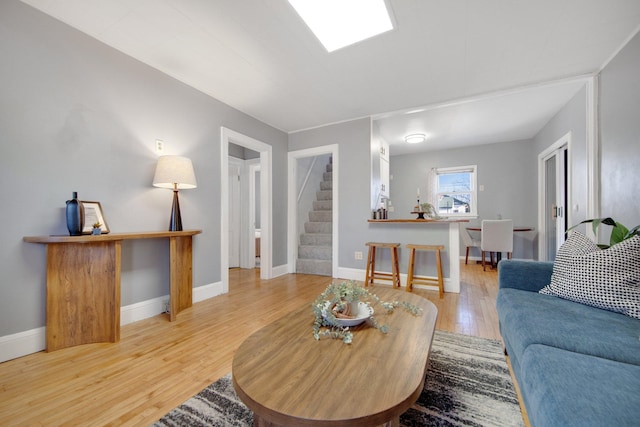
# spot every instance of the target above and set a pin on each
(526, 275)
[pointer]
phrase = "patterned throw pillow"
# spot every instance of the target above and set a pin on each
(607, 279)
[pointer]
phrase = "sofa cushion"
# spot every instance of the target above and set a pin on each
(607, 279)
(528, 318)
(561, 388)
(524, 274)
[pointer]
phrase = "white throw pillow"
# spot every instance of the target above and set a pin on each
(607, 279)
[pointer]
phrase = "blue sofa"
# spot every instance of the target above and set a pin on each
(575, 365)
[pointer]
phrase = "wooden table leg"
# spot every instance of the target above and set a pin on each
(83, 293)
(181, 272)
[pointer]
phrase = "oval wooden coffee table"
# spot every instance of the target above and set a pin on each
(287, 378)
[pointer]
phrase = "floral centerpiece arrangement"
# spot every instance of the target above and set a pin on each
(341, 301)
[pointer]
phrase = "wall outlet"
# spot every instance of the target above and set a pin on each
(159, 146)
(358, 255)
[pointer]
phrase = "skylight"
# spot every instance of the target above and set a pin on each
(340, 23)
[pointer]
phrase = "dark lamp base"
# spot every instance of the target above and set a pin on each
(175, 224)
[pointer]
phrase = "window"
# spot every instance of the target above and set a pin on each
(455, 191)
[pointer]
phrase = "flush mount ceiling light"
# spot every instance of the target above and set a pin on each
(415, 138)
(340, 23)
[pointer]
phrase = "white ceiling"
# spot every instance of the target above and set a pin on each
(466, 62)
(497, 117)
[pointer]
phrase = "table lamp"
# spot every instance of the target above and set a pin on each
(176, 173)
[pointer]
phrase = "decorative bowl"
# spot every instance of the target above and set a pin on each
(364, 312)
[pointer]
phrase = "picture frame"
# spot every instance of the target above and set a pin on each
(93, 213)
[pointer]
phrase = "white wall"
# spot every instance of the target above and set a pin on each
(620, 136)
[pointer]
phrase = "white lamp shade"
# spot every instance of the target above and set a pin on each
(174, 171)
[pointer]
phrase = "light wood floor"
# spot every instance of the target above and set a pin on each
(157, 365)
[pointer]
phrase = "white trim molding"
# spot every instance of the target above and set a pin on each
(22, 343)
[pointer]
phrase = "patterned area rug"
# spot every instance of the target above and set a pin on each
(468, 384)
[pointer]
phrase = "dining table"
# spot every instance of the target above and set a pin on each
(516, 229)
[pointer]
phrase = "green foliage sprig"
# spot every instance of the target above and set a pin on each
(618, 233)
(430, 210)
(326, 325)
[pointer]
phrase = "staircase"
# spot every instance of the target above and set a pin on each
(315, 248)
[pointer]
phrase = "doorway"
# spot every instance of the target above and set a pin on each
(228, 137)
(244, 207)
(294, 226)
(553, 193)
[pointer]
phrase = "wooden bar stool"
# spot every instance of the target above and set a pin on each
(372, 274)
(421, 280)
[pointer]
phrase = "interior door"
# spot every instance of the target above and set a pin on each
(234, 213)
(554, 219)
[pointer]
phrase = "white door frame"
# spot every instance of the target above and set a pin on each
(560, 144)
(292, 246)
(254, 168)
(237, 223)
(266, 157)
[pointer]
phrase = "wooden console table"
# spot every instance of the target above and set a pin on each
(83, 283)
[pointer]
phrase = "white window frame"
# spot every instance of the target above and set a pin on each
(473, 169)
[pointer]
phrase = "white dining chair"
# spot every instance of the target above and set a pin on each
(469, 242)
(496, 236)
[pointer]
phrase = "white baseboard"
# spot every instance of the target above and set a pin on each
(34, 340)
(211, 290)
(352, 274)
(22, 343)
(280, 270)
(142, 310)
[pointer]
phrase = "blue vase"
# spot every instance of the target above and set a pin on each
(75, 215)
